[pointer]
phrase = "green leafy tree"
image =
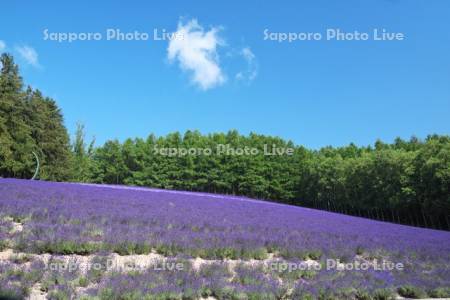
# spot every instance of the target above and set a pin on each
(83, 165)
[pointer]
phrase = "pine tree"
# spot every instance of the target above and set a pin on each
(82, 163)
(17, 143)
(50, 136)
(30, 122)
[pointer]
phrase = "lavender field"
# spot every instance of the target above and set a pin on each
(75, 241)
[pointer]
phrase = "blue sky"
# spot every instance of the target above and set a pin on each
(315, 93)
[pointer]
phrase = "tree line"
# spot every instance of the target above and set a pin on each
(407, 181)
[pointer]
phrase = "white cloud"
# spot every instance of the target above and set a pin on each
(252, 65)
(2, 45)
(196, 51)
(29, 55)
(248, 54)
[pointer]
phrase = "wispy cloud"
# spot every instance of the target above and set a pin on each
(29, 55)
(196, 52)
(2, 45)
(252, 66)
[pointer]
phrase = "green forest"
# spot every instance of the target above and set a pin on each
(406, 181)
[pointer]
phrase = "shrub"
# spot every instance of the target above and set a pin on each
(58, 295)
(260, 253)
(362, 295)
(315, 254)
(10, 294)
(142, 249)
(410, 291)
(440, 293)
(383, 294)
(359, 250)
(3, 245)
(83, 282)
